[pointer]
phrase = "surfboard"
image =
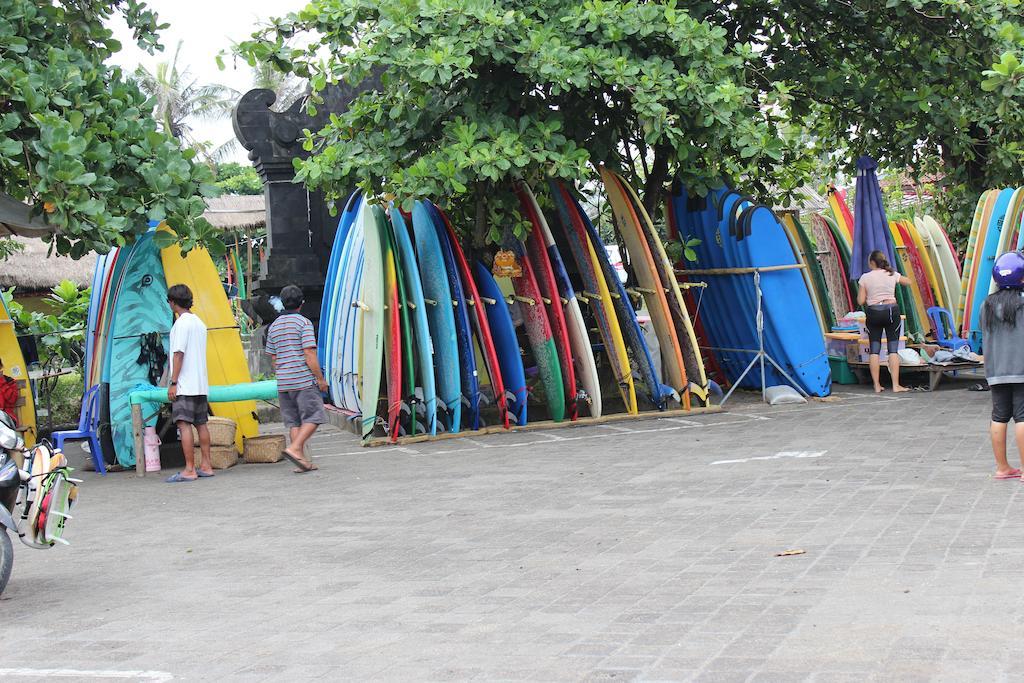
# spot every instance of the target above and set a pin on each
(803, 251)
(99, 274)
(693, 363)
(407, 389)
(1011, 231)
(470, 392)
(679, 228)
(596, 293)
(373, 304)
(226, 361)
(506, 344)
(982, 213)
(343, 332)
(418, 318)
(832, 267)
(842, 215)
(438, 297)
(331, 284)
(921, 278)
(789, 314)
(140, 307)
(651, 287)
(487, 359)
(582, 352)
(15, 368)
(538, 333)
(984, 260)
(935, 289)
(943, 258)
(393, 359)
(540, 264)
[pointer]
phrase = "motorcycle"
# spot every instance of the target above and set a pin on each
(42, 491)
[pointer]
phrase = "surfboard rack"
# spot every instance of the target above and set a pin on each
(376, 441)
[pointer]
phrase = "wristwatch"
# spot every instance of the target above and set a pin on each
(174, 383)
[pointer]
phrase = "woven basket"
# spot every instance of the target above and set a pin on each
(222, 457)
(266, 448)
(222, 432)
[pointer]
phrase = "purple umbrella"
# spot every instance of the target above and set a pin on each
(870, 226)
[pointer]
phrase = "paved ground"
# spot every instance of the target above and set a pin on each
(642, 550)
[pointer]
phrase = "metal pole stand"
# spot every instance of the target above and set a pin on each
(760, 355)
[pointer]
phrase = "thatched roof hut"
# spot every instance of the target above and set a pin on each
(33, 272)
(238, 212)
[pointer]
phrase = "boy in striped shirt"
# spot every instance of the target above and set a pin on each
(300, 382)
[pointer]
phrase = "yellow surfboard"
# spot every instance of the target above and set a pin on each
(624, 375)
(225, 357)
(14, 367)
(908, 270)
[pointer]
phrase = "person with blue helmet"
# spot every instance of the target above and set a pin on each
(1002, 326)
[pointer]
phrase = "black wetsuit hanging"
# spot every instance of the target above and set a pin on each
(153, 355)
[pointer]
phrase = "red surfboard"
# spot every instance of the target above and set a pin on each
(538, 255)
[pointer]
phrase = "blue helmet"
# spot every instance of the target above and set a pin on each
(1008, 271)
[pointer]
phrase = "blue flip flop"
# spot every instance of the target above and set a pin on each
(204, 475)
(176, 478)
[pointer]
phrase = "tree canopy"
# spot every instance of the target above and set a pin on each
(474, 93)
(78, 139)
(773, 93)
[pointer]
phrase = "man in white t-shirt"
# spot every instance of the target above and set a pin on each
(189, 384)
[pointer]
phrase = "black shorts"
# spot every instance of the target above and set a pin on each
(1007, 402)
(302, 406)
(883, 318)
(191, 409)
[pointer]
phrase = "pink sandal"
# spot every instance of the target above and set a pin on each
(1012, 474)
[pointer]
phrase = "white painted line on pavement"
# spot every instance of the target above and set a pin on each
(85, 673)
(777, 456)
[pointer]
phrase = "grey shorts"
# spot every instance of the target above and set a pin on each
(191, 409)
(302, 406)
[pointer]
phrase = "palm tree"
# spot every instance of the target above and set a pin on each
(181, 99)
(287, 87)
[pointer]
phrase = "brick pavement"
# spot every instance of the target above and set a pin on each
(640, 550)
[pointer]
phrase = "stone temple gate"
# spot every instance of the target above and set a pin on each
(300, 229)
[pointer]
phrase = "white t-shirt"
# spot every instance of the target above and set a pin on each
(188, 336)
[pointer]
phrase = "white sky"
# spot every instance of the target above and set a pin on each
(205, 27)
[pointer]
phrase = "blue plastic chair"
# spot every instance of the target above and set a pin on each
(945, 333)
(86, 430)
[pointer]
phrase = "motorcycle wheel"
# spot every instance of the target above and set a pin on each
(6, 558)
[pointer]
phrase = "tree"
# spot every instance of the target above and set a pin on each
(235, 178)
(180, 99)
(906, 81)
(769, 93)
(77, 139)
(475, 93)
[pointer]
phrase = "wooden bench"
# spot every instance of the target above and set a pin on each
(935, 371)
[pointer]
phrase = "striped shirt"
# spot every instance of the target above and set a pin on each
(286, 339)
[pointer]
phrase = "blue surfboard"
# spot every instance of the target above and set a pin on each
(987, 257)
(789, 312)
(331, 286)
(463, 331)
(421, 327)
(438, 296)
(505, 343)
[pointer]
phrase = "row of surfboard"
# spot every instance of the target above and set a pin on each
(129, 303)
(743, 245)
(995, 230)
(415, 337)
(925, 255)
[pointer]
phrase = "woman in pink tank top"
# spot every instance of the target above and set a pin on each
(877, 294)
